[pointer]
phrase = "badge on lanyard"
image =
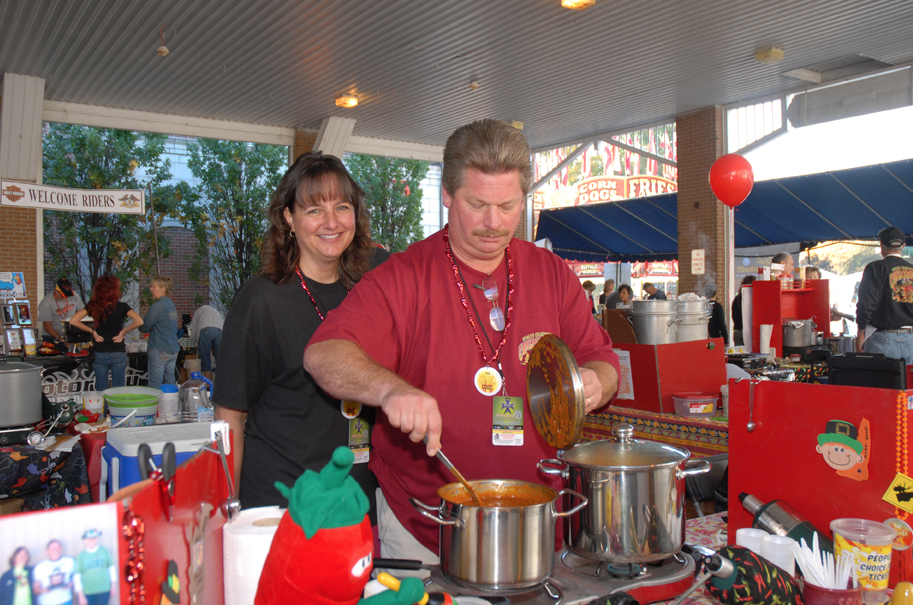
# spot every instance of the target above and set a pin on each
(360, 439)
(487, 381)
(507, 421)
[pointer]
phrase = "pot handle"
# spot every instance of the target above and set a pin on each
(424, 510)
(673, 322)
(553, 466)
(694, 467)
(571, 492)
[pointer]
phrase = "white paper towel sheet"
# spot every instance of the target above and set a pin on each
(246, 542)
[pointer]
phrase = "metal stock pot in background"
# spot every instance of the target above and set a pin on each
(636, 494)
(20, 391)
(655, 322)
(498, 547)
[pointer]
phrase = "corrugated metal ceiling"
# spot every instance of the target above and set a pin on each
(565, 74)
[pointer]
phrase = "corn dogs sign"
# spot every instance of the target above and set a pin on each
(616, 188)
(46, 197)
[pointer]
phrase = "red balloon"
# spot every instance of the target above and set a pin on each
(731, 179)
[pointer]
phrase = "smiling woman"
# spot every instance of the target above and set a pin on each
(318, 246)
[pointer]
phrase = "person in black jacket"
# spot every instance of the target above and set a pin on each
(886, 301)
(717, 326)
(16, 583)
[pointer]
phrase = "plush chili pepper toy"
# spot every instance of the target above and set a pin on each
(322, 552)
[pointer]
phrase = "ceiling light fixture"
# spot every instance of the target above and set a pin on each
(577, 4)
(473, 85)
(346, 101)
(162, 50)
(517, 124)
(769, 55)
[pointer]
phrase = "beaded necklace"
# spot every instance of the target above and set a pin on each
(463, 299)
(311, 296)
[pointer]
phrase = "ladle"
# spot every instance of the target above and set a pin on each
(35, 438)
(472, 493)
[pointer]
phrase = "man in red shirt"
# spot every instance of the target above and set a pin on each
(438, 338)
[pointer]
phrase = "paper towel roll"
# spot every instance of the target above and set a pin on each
(245, 544)
(766, 333)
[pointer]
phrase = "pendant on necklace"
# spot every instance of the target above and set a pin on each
(487, 381)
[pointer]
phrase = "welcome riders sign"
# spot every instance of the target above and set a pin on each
(46, 197)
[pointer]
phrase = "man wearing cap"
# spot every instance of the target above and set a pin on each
(94, 577)
(886, 301)
(56, 307)
(654, 293)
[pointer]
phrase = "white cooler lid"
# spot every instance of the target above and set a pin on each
(186, 437)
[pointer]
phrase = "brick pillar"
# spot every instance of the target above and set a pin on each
(304, 142)
(21, 233)
(701, 218)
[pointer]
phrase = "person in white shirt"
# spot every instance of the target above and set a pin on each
(52, 579)
(206, 332)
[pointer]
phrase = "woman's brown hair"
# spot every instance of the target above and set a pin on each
(313, 178)
(105, 294)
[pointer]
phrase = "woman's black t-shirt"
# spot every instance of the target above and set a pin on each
(110, 328)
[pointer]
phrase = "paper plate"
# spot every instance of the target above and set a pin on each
(555, 390)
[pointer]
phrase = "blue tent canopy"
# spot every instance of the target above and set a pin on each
(831, 206)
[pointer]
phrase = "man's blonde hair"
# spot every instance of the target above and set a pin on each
(490, 146)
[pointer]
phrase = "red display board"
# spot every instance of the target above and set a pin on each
(786, 456)
(772, 304)
(658, 371)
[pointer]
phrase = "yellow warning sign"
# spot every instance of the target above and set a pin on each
(900, 493)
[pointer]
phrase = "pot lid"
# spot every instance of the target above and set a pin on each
(624, 452)
(17, 366)
(555, 391)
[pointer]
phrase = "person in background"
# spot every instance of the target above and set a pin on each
(59, 305)
(737, 337)
(95, 575)
(52, 579)
(623, 295)
(717, 326)
(450, 321)
(109, 313)
(886, 301)
(607, 289)
(812, 272)
(317, 247)
(590, 289)
(161, 324)
(206, 332)
(16, 583)
(654, 293)
(785, 259)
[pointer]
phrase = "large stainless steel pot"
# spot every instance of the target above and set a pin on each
(20, 393)
(498, 548)
(636, 494)
(655, 321)
(799, 333)
(693, 320)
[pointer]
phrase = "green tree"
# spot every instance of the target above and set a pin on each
(228, 214)
(396, 216)
(86, 245)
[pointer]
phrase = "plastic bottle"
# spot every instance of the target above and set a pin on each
(193, 400)
(777, 517)
(168, 405)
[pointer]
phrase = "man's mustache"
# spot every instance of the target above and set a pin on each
(491, 233)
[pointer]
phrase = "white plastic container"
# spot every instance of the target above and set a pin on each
(724, 397)
(168, 405)
(750, 538)
(779, 551)
(695, 404)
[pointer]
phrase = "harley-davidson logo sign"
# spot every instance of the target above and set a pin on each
(13, 193)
